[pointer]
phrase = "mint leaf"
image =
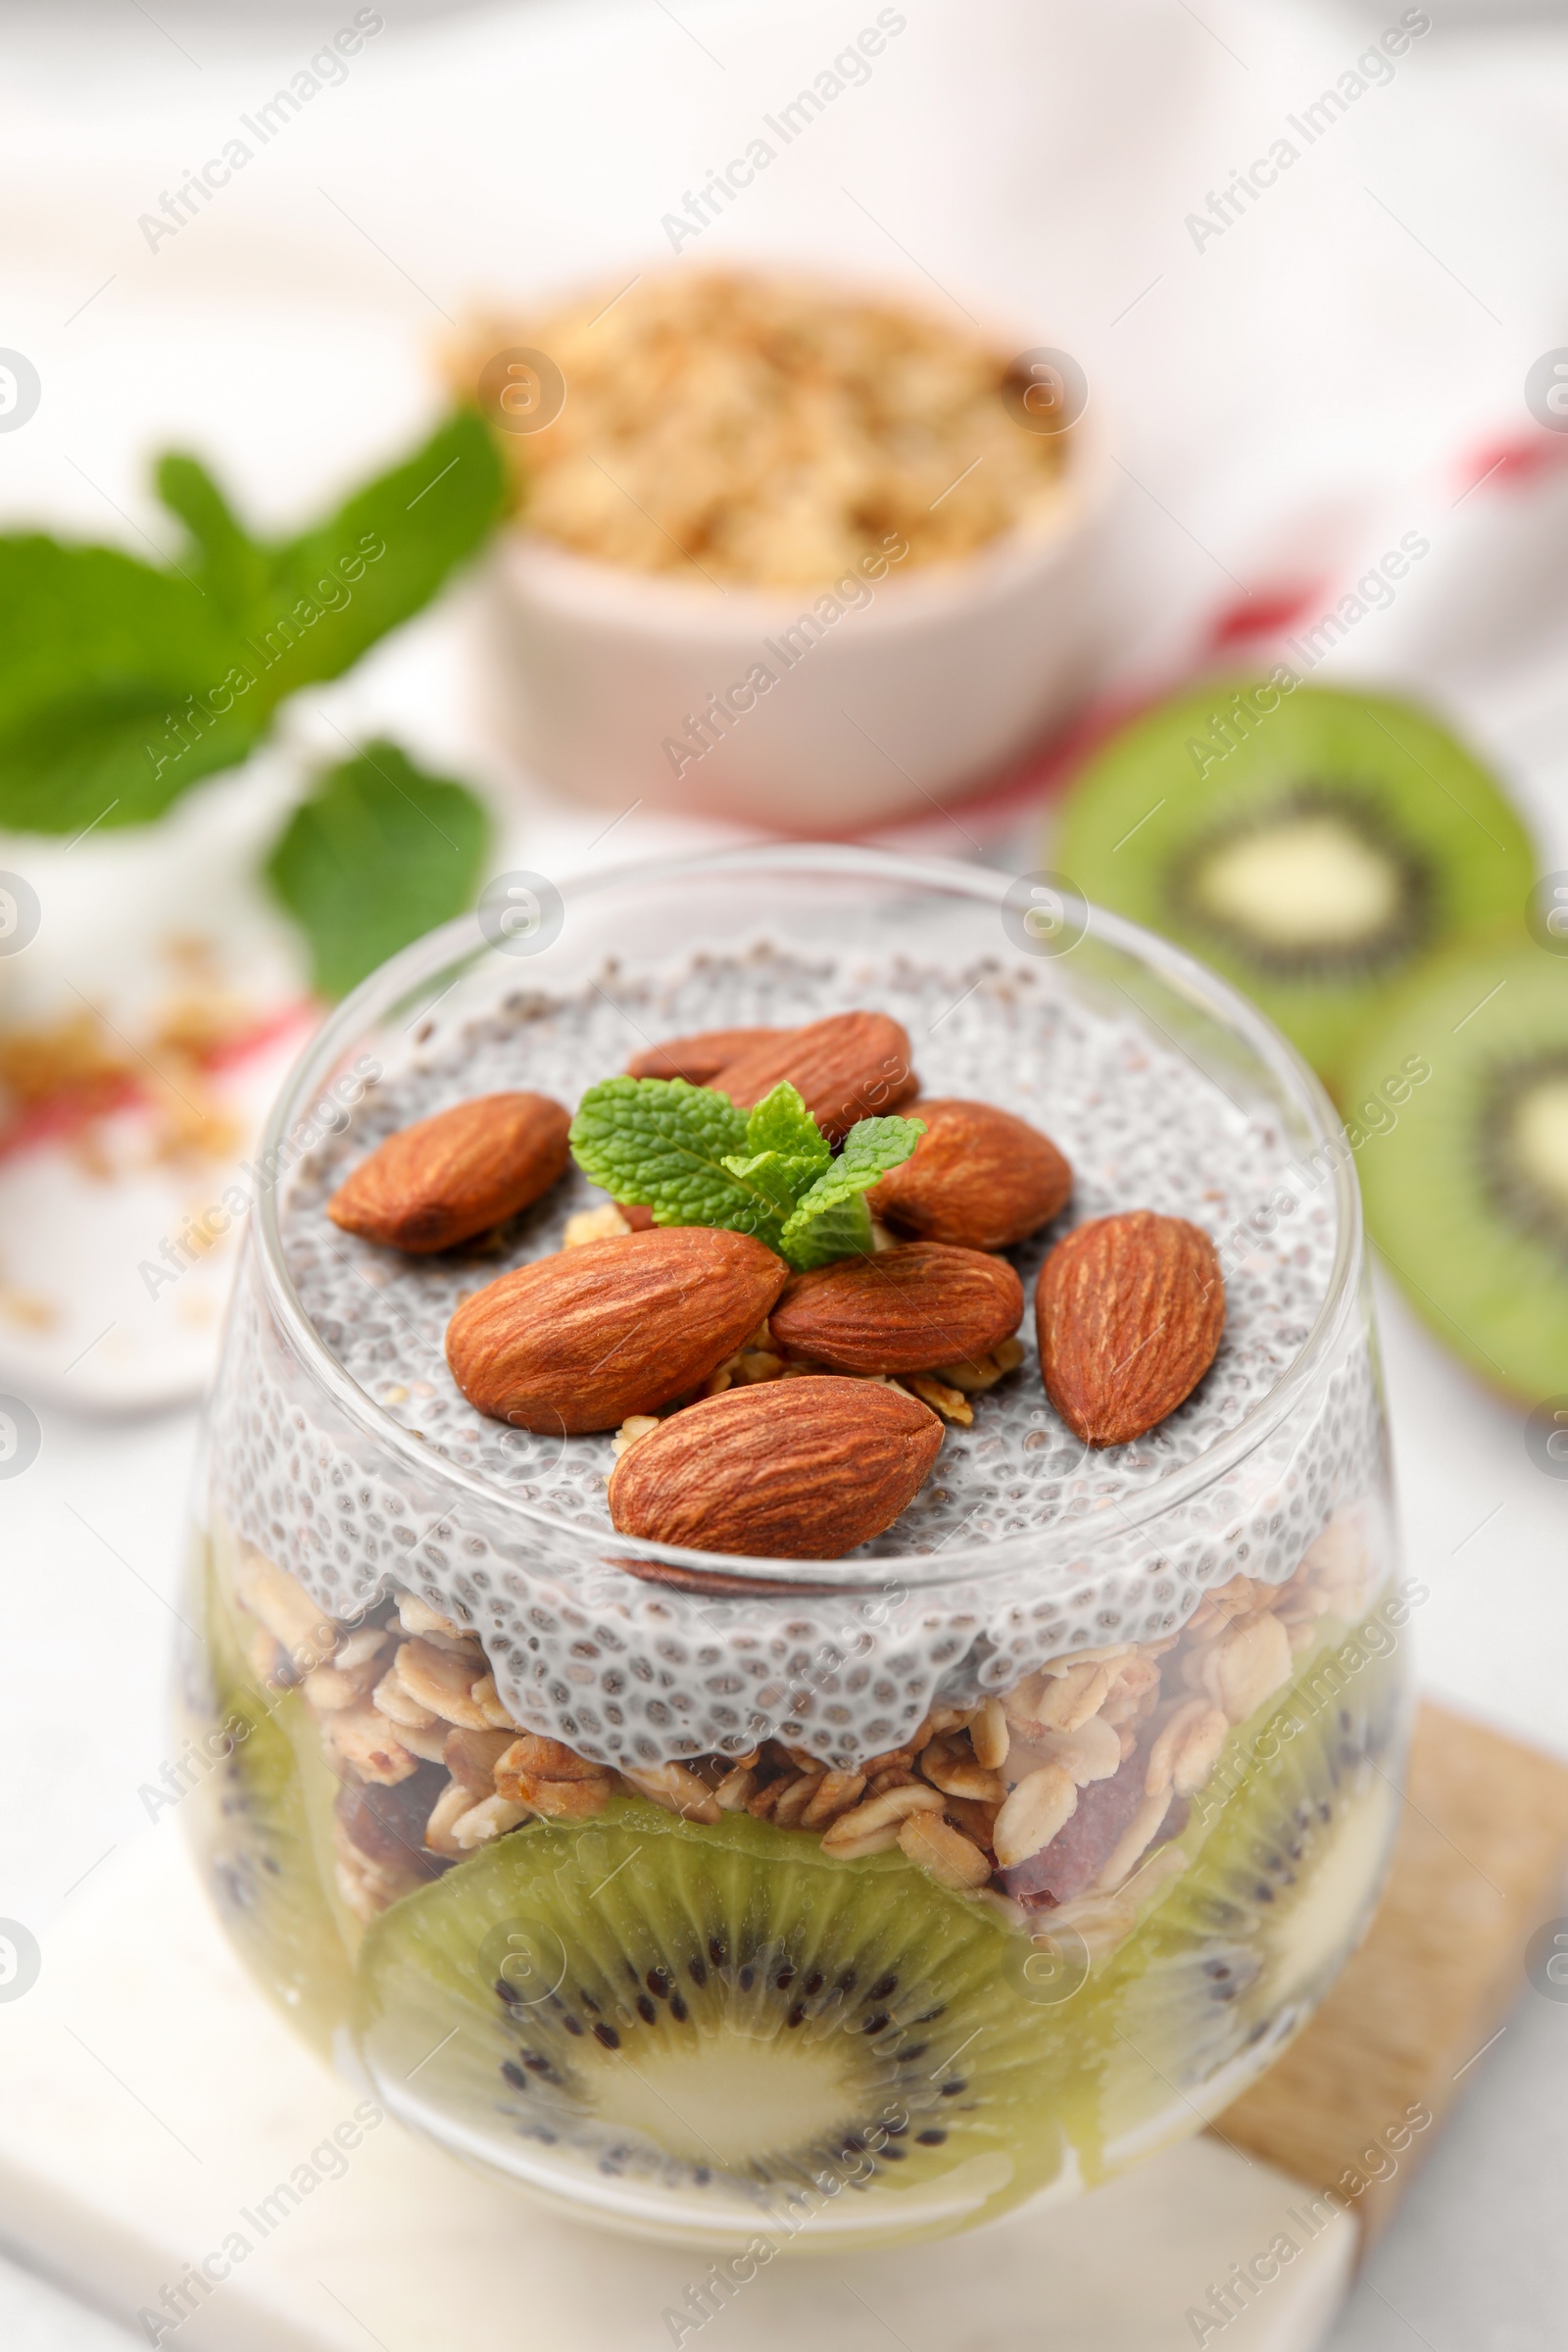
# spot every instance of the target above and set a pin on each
(103, 654)
(785, 1148)
(377, 855)
(766, 1177)
(840, 1229)
(831, 1219)
(378, 561)
(673, 1148)
(781, 1123)
(124, 683)
(224, 559)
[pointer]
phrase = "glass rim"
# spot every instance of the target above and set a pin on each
(462, 942)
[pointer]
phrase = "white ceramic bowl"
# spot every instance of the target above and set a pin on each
(932, 683)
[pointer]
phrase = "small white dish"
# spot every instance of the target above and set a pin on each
(922, 684)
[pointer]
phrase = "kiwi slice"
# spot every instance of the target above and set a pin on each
(1281, 1887)
(1464, 1173)
(693, 2023)
(260, 1825)
(1313, 846)
(255, 1845)
(668, 2008)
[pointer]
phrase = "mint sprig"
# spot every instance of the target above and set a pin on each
(689, 1154)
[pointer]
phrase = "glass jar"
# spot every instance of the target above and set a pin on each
(827, 1902)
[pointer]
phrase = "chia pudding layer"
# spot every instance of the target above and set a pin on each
(1023, 1543)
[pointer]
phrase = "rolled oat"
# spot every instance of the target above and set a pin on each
(1043, 1802)
(949, 1857)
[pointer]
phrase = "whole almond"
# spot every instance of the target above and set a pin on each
(792, 1469)
(447, 1178)
(586, 1338)
(904, 1310)
(700, 1058)
(978, 1177)
(1129, 1312)
(851, 1066)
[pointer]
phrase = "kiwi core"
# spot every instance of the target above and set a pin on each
(725, 2097)
(1310, 880)
(1541, 1138)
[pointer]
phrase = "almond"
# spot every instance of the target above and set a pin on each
(905, 1310)
(793, 1469)
(978, 1177)
(851, 1066)
(586, 1338)
(447, 1178)
(700, 1058)
(1129, 1311)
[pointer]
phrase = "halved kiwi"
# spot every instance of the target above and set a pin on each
(1313, 845)
(1465, 1177)
(697, 2022)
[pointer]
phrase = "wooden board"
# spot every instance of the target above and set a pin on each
(1480, 1864)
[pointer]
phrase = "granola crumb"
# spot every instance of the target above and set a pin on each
(951, 1404)
(983, 1372)
(605, 1224)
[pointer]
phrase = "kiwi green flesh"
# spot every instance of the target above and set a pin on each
(1465, 1182)
(260, 1827)
(1339, 839)
(725, 2010)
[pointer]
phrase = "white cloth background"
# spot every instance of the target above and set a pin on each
(1286, 399)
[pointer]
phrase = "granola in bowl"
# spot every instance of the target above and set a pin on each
(748, 505)
(773, 432)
